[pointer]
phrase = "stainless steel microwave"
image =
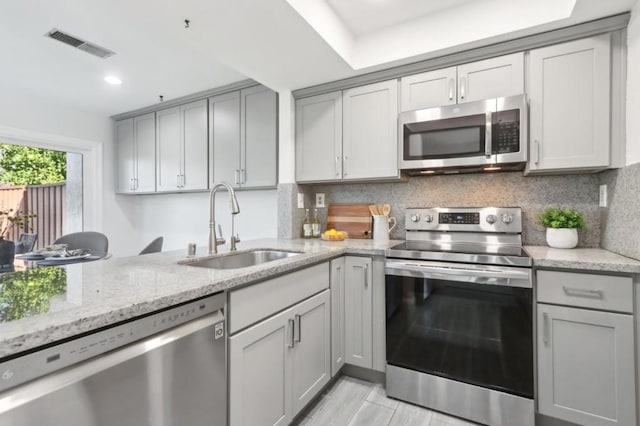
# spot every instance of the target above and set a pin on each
(475, 136)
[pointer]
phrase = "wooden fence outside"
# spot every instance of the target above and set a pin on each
(48, 202)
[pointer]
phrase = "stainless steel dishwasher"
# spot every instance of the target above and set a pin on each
(164, 369)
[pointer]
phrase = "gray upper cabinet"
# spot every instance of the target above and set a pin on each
(135, 141)
(370, 126)
(319, 138)
(358, 300)
(487, 79)
(570, 105)
(181, 145)
(243, 138)
(349, 135)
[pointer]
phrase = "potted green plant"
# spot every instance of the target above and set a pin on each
(9, 218)
(562, 226)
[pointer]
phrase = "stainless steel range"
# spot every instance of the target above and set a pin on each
(459, 309)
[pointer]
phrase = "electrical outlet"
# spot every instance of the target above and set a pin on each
(300, 200)
(320, 200)
(603, 196)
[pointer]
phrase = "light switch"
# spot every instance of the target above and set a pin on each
(603, 196)
(300, 200)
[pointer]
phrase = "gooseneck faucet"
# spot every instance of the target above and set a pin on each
(214, 241)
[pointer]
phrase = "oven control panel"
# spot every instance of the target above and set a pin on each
(465, 219)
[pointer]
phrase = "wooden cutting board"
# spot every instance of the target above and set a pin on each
(354, 219)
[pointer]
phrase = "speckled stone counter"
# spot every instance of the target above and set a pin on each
(588, 259)
(83, 297)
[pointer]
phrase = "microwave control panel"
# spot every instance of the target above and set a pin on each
(506, 132)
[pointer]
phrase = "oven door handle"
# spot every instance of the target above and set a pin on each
(509, 277)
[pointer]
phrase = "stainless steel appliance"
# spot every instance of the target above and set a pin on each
(459, 315)
(167, 368)
(475, 136)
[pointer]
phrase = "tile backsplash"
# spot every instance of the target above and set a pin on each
(621, 229)
(532, 193)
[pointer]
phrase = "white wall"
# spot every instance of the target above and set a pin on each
(633, 86)
(184, 218)
(29, 112)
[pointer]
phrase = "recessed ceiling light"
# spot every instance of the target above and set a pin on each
(112, 79)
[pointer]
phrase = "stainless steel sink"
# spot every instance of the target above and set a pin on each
(242, 259)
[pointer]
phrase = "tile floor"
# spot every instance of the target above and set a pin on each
(354, 402)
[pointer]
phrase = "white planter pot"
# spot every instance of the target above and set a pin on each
(564, 238)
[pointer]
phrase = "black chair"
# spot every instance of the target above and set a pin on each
(26, 243)
(154, 246)
(95, 242)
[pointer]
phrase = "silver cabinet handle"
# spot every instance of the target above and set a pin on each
(237, 177)
(583, 292)
(536, 150)
(132, 185)
(366, 275)
(488, 142)
(243, 176)
(178, 181)
(452, 83)
(545, 328)
(462, 88)
(135, 183)
(336, 166)
(344, 166)
(297, 331)
(290, 329)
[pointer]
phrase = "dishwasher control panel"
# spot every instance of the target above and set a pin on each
(27, 367)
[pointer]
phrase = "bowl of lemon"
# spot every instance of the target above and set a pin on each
(333, 235)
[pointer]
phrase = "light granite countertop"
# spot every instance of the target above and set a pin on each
(591, 259)
(78, 298)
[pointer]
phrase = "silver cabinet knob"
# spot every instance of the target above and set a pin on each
(491, 219)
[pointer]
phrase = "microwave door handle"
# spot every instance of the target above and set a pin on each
(487, 135)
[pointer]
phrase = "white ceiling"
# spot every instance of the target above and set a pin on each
(365, 16)
(284, 44)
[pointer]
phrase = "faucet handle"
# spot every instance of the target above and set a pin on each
(220, 229)
(220, 240)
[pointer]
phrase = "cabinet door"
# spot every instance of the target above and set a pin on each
(358, 300)
(260, 373)
(224, 134)
(586, 372)
(337, 315)
(194, 138)
(145, 143)
(491, 78)
(319, 138)
(125, 156)
(569, 100)
(311, 358)
(168, 149)
(370, 139)
(258, 138)
(429, 89)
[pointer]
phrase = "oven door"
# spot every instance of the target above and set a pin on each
(469, 323)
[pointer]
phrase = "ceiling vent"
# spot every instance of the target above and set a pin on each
(85, 46)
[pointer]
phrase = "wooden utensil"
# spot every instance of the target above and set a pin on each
(372, 210)
(386, 209)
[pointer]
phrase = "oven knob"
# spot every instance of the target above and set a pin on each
(415, 217)
(507, 218)
(428, 218)
(491, 219)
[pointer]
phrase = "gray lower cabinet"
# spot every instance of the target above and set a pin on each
(586, 354)
(358, 300)
(278, 365)
(337, 279)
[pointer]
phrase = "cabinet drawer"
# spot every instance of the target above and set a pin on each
(605, 292)
(251, 304)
